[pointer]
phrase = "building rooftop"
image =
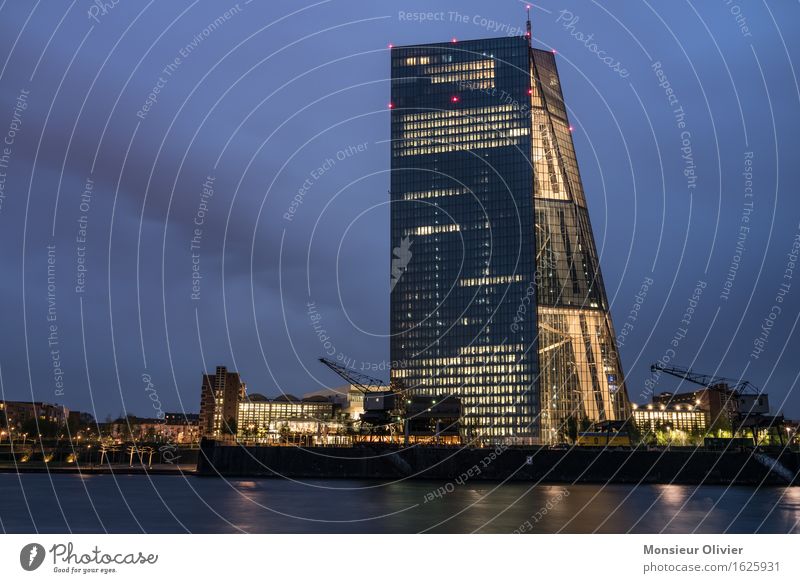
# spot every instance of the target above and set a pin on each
(287, 398)
(256, 398)
(665, 407)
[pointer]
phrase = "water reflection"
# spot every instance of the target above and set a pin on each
(67, 503)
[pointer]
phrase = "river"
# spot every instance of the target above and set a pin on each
(72, 503)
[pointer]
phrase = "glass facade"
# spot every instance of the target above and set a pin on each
(496, 289)
(581, 376)
(690, 419)
(265, 418)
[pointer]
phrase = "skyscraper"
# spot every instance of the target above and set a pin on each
(497, 296)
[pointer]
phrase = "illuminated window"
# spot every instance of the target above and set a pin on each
(435, 229)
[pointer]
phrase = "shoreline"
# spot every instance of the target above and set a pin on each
(451, 464)
(27, 468)
(547, 466)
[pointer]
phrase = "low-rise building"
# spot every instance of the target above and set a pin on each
(175, 428)
(16, 415)
(722, 403)
(654, 417)
(313, 420)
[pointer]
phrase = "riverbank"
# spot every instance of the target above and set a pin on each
(43, 468)
(65, 458)
(577, 465)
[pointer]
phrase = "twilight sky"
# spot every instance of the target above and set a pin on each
(151, 152)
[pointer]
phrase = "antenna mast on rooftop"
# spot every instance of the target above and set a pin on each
(528, 26)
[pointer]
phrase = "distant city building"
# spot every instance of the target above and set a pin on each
(271, 420)
(720, 401)
(497, 296)
(673, 417)
(175, 428)
(711, 410)
(226, 410)
(219, 402)
(15, 414)
(181, 418)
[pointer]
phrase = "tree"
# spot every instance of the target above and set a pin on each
(721, 426)
(572, 428)
(632, 430)
(663, 433)
(230, 426)
(285, 432)
(45, 428)
(251, 431)
(73, 426)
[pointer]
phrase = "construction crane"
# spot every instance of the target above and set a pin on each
(750, 412)
(705, 380)
(388, 413)
(383, 409)
(362, 382)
